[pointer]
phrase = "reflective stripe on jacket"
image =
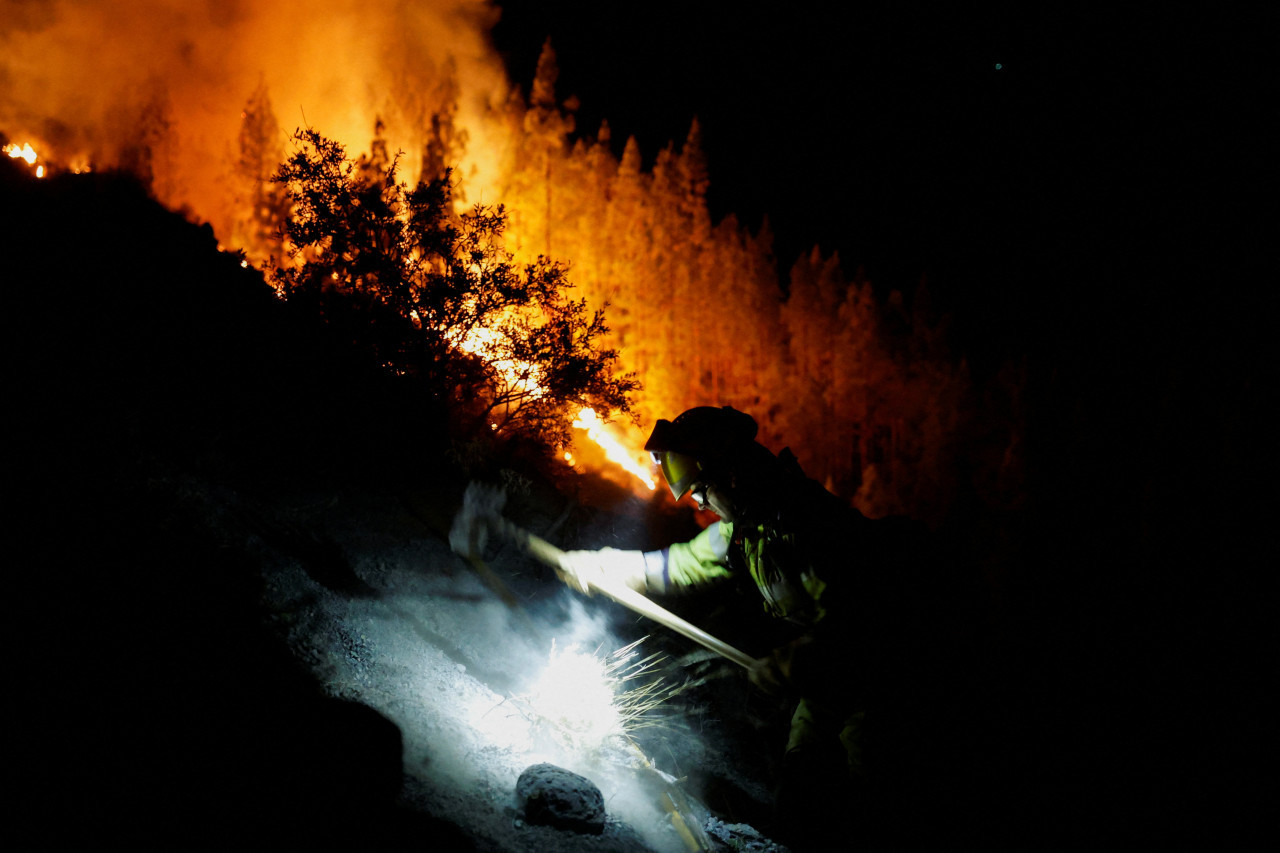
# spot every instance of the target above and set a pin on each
(787, 581)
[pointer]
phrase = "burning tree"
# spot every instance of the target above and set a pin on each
(260, 204)
(433, 295)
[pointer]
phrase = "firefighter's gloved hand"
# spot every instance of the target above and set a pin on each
(579, 569)
(608, 566)
(766, 674)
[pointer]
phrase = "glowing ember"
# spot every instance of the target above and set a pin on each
(589, 421)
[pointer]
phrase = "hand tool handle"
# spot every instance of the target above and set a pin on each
(627, 597)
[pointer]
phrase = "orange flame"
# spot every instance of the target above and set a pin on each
(27, 153)
(517, 374)
(189, 93)
(479, 341)
(596, 430)
(40, 165)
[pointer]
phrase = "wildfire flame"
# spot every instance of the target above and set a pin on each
(595, 428)
(523, 376)
(21, 152)
(517, 374)
(27, 153)
(334, 65)
(180, 106)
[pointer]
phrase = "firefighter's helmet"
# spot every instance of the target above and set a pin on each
(699, 443)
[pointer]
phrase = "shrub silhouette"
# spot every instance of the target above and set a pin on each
(433, 296)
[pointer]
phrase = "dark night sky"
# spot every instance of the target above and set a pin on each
(1004, 151)
(840, 126)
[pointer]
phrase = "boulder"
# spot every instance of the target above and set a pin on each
(553, 796)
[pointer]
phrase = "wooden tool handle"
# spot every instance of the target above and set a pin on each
(627, 597)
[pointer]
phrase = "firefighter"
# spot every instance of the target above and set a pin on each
(812, 559)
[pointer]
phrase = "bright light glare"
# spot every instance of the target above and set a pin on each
(575, 694)
(571, 703)
(580, 701)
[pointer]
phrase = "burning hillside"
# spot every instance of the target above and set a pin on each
(78, 84)
(862, 388)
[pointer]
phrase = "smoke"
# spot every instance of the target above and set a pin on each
(164, 82)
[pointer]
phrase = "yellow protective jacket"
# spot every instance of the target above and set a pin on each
(798, 557)
(820, 564)
(850, 584)
(790, 586)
